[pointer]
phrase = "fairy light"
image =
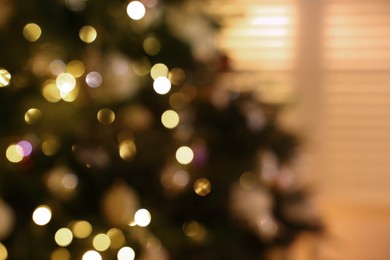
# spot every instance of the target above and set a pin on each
(32, 32)
(136, 10)
(184, 155)
(42, 215)
(5, 78)
(202, 187)
(170, 119)
(142, 217)
(32, 115)
(162, 85)
(106, 116)
(92, 255)
(63, 237)
(101, 242)
(88, 34)
(126, 253)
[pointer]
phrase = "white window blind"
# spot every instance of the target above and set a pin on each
(356, 97)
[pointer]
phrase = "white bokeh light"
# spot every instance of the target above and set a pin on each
(136, 10)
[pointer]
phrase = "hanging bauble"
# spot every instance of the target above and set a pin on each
(120, 204)
(7, 220)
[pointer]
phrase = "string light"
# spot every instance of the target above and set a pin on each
(63, 237)
(136, 10)
(88, 34)
(170, 119)
(126, 253)
(142, 217)
(5, 78)
(162, 85)
(42, 215)
(32, 32)
(184, 155)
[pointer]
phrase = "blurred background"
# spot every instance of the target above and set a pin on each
(334, 55)
(327, 62)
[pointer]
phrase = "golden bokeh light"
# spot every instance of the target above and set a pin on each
(42, 215)
(60, 254)
(87, 34)
(135, 10)
(3, 252)
(101, 242)
(5, 78)
(57, 67)
(159, 70)
(127, 150)
(117, 238)
(81, 229)
(65, 82)
(76, 68)
(14, 153)
(105, 116)
(191, 228)
(94, 79)
(177, 76)
(248, 180)
(92, 255)
(50, 145)
(142, 217)
(170, 119)
(32, 116)
(63, 237)
(32, 32)
(70, 96)
(202, 187)
(50, 91)
(142, 67)
(152, 45)
(184, 155)
(126, 253)
(162, 85)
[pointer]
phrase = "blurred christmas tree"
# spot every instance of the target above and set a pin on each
(117, 142)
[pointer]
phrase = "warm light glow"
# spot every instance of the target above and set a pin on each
(50, 145)
(136, 10)
(82, 229)
(87, 34)
(152, 45)
(177, 76)
(32, 115)
(14, 153)
(42, 215)
(57, 67)
(63, 237)
(32, 32)
(170, 119)
(184, 155)
(117, 238)
(92, 255)
(60, 254)
(70, 96)
(181, 178)
(202, 187)
(191, 228)
(5, 78)
(248, 180)
(76, 68)
(162, 85)
(70, 181)
(142, 67)
(65, 82)
(50, 91)
(94, 79)
(142, 217)
(127, 150)
(4, 252)
(178, 100)
(159, 70)
(26, 147)
(106, 116)
(101, 242)
(126, 253)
